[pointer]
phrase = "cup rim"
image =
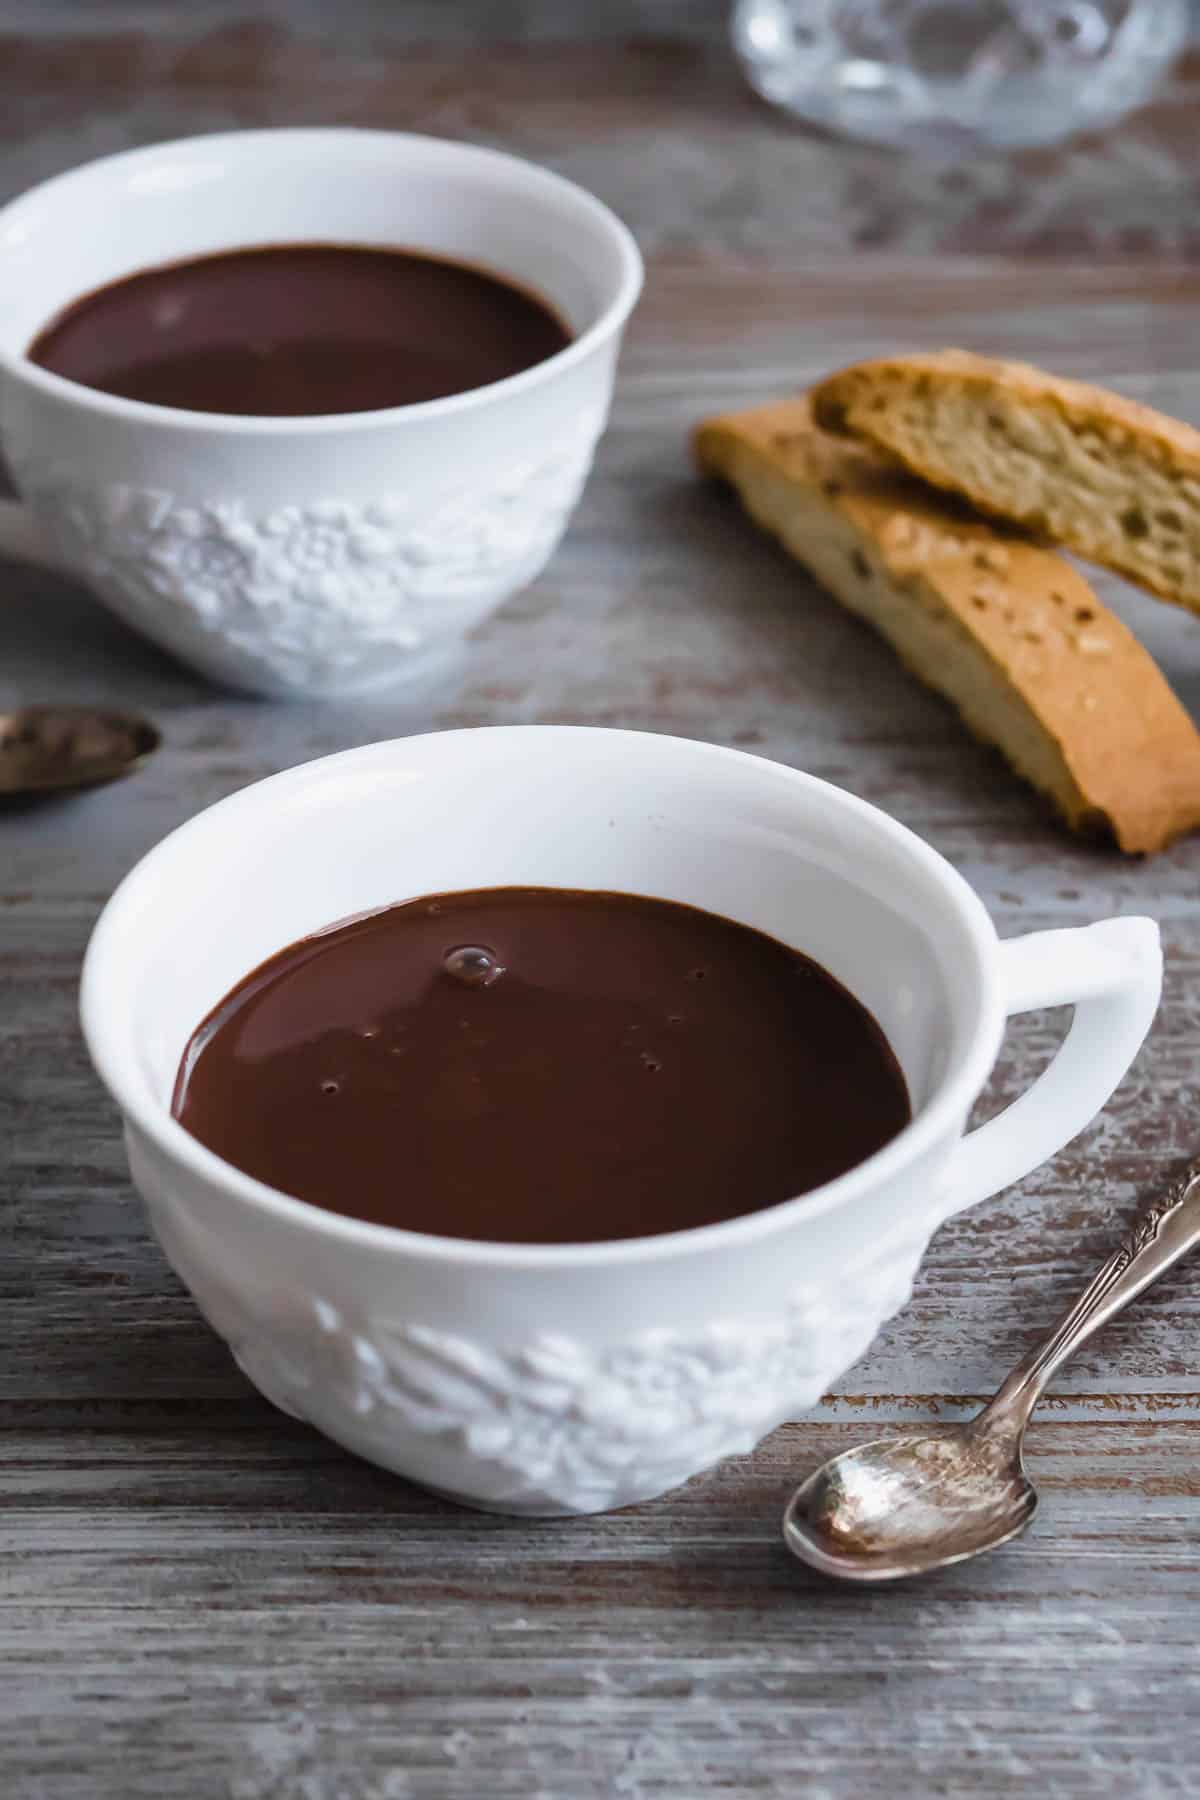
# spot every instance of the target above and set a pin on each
(949, 1104)
(145, 412)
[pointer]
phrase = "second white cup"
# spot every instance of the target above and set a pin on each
(330, 555)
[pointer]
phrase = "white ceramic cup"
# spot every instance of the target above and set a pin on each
(573, 1378)
(329, 555)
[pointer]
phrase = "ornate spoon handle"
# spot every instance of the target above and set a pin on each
(1164, 1231)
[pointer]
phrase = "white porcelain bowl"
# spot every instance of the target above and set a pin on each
(571, 1378)
(329, 555)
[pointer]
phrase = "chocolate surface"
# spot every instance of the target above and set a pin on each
(300, 329)
(541, 1066)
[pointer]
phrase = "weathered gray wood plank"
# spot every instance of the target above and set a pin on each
(669, 1650)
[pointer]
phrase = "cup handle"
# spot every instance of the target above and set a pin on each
(1111, 974)
(21, 538)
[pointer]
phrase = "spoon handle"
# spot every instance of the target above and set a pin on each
(1163, 1231)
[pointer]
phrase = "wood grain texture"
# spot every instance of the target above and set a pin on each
(199, 1597)
(640, 99)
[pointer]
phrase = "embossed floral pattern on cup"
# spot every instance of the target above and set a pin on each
(567, 1427)
(306, 592)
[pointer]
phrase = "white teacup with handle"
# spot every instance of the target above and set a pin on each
(575, 1378)
(325, 555)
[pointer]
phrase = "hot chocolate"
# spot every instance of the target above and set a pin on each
(299, 330)
(538, 1065)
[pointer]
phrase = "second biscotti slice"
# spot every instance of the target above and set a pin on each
(1006, 630)
(1114, 481)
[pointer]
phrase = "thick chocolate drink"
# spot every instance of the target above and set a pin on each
(542, 1066)
(300, 329)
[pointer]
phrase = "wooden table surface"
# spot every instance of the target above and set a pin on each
(200, 1597)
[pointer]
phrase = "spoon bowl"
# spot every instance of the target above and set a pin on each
(46, 749)
(904, 1506)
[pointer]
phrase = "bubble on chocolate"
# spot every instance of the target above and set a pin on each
(473, 965)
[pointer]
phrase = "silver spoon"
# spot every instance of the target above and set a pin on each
(43, 748)
(903, 1506)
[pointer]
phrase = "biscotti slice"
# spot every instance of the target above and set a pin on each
(1006, 630)
(1114, 481)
